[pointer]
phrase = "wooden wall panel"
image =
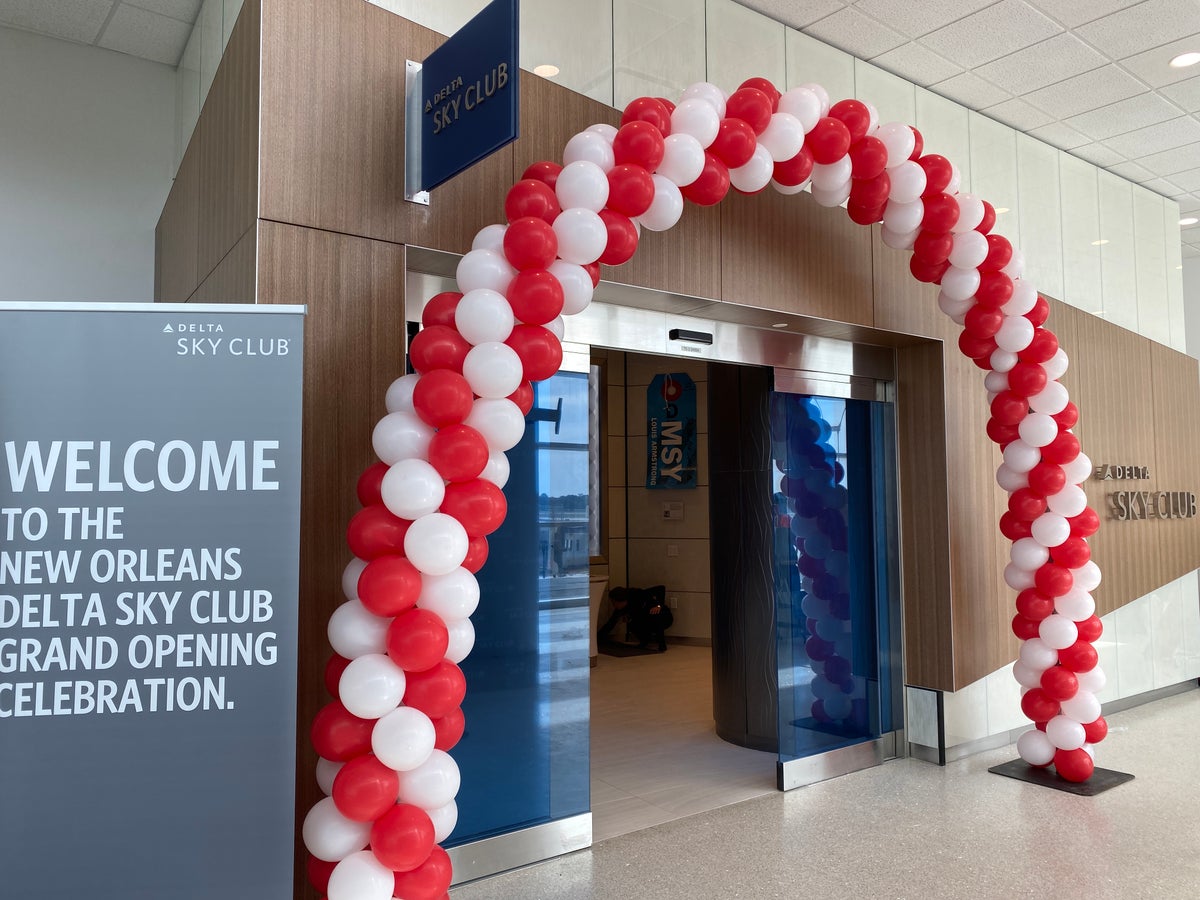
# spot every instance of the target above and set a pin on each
(1177, 455)
(233, 280)
(175, 238)
(353, 348)
(226, 137)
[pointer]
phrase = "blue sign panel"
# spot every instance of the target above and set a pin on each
(469, 94)
(671, 432)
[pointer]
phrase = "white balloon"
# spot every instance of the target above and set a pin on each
(1037, 429)
(754, 175)
(790, 189)
(329, 835)
(1056, 366)
(490, 238)
(970, 213)
(432, 784)
(582, 184)
(833, 175)
(360, 876)
(1065, 733)
(969, 249)
(832, 197)
(486, 270)
(899, 140)
(1023, 299)
(401, 435)
(1079, 469)
(412, 488)
(1090, 750)
(1083, 707)
(683, 159)
(1037, 655)
(1002, 361)
(1015, 332)
(576, 284)
(327, 770)
(453, 595)
(497, 469)
(1068, 502)
(908, 182)
(1076, 605)
(996, 381)
(1016, 266)
(493, 369)
(462, 639)
(821, 94)
(557, 326)
(697, 118)
(1087, 576)
(350, 575)
(399, 393)
(898, 240)
(403, 739)
(1050, 529)
(666, 207)
(483, 315)
(582, 235)
(444, 819)
(1017, 578)
(1021, 457)
(803, 105)
(436, 544)
(1025, 676)
(783, 137)
(1035, 748)
(371, 685)
(1093, 681)
(955, 182)
(903, 217)
(710, 93)
(1009, 480)
(354, 631)
(589, 146)
(1027, 553)
(1058, 632)
(609, 132)
(958, 284)
(499, 421)
(1051, 400)
(952, 306)
(872, 118)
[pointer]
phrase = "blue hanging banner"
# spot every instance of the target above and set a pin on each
(671, 432)
(469, 95)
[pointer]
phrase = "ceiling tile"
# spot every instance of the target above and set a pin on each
(1156, 138)
(149, 35)
(857, 34)
(1018, 114)
(1124, 116)
(1162, 186)
(1188, 181)
(1190, 252)
(1098, 155)
(1153, 66)
(183, 10)
(1169, 162)
(1086, 92)
(1059, 135)
(74, 20)
(1140, 27)
(916, 63)
(1050, 61)
(796, 13)
(917, 17)
(1131, 171)
(1072, 12)
(970, 90)
(1185, 93)
(991, 33)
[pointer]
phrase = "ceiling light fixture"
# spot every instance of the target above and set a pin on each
(546, 70)
(1183, 60)
(780, 325)
(1100, 243)
(1188, 220)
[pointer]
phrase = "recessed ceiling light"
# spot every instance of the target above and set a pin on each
(780, 325)
(1100, 243)
(546, 71)
(1001, 209)
(1183, 60)
(1188, 220)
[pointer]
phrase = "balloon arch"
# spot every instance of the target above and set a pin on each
(435, 495)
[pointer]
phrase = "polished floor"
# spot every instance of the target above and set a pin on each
(907, 829)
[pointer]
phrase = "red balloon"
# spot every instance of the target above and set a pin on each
(1009, 408)
(538, 348)
(1062, 449)
(937, 173)
(941, 212)
(854, 115)
(1026, 379)
(318, 872)
(829, 140)
(544, 171)
(1059, 683)
(530, 197)
(712, 185)
(1047, 478)
(918, 144)
(438, 347)
(436, 691)
(796, 170)
(374, 531)
(1040, 312)
(752, 106)
(536, 296)
(1085, 524)
(972, 347)
(1033, 605)
(1068, 417)
(1096, 731)
(1090, 629)
(871, 192)
(593, 270)
(1038, 706)
(523, 397)
(364, 788)
(1053, 580)
(1081, 656)
(389, 585)
(1074, 765)
(1072, 553)
(933, 247)
(1043, 346)
(622, 238)
(766, 86)
(995, 289)
(479, 505)
(735, 142)
(477, 554)
(989, 218)
(868, 157)
(1028, 505)
(1014, 528)
(458, 452)
(428, 881)
(999, 253)
(417, 640)
(930, 273)
(442, 397)
(667, 103)
(1024, 628)
(448, 730)
(1000, 432)
(983, 321)
(369, 484)
(338, 735)
(530, 243)
(630, 190)
(439, 309)
(864, 215)
(402, 838)
(333, 673)
(639, 144)
(648, 109)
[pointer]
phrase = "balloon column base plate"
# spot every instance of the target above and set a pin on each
(1101, 780)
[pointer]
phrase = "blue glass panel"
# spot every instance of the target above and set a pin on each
(524, 755)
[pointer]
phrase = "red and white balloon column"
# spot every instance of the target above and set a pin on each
(436, 493)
